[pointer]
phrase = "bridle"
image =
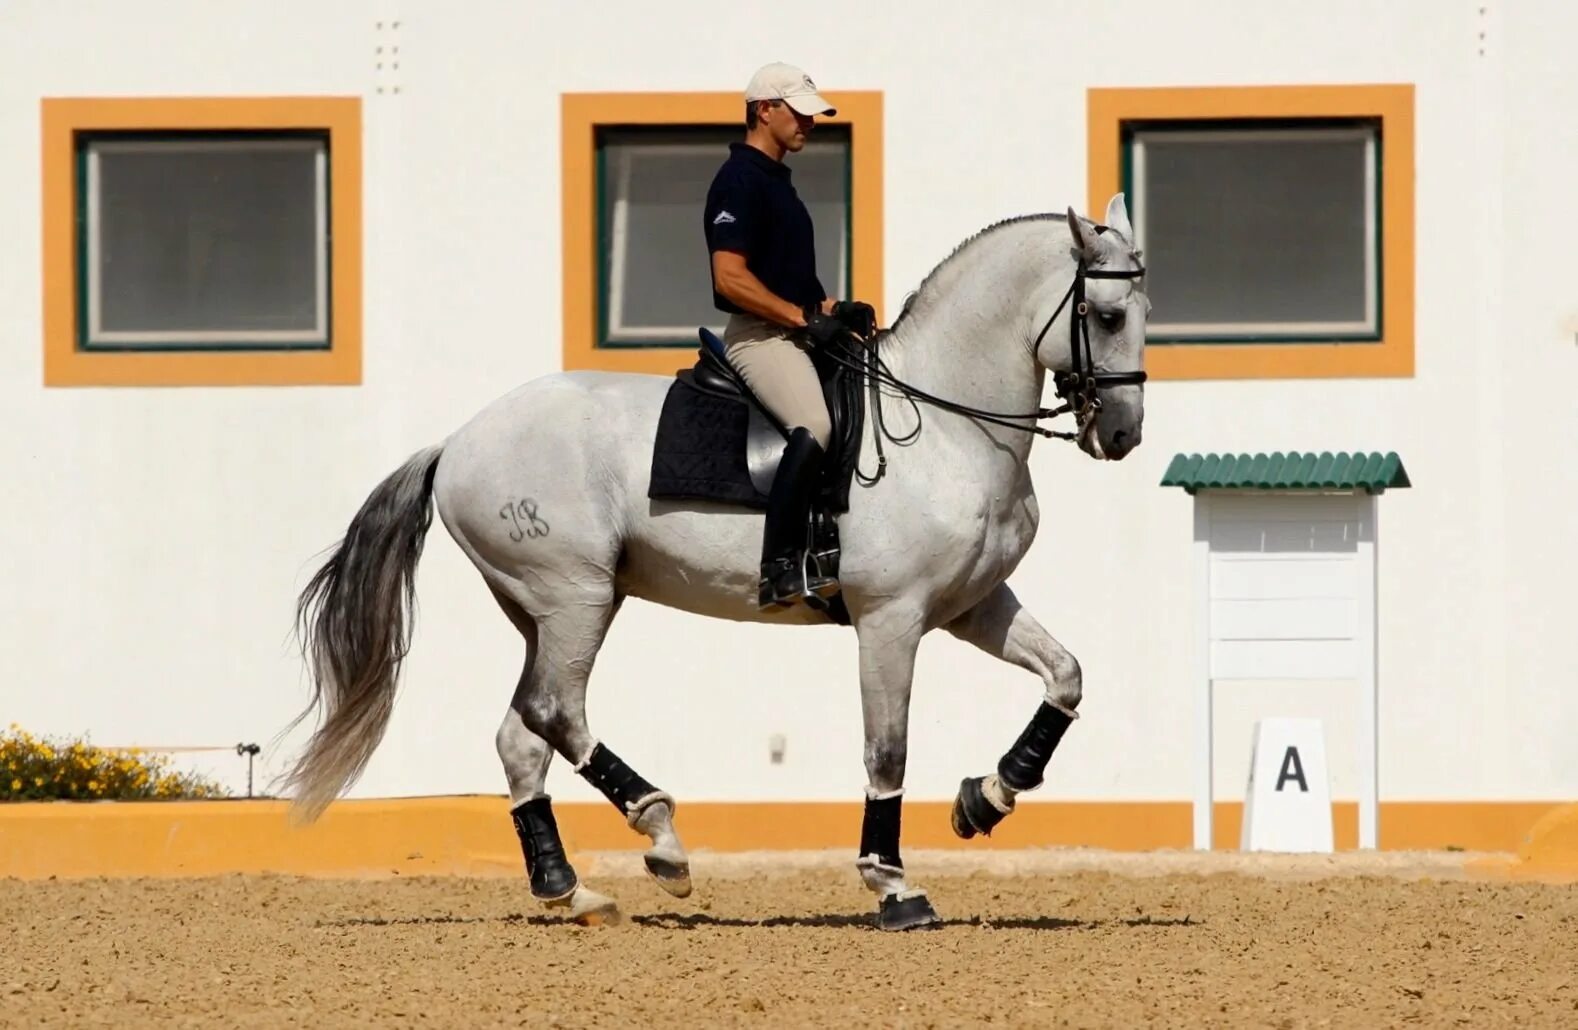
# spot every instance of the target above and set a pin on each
(1079, 388)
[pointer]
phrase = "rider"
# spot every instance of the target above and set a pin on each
(763, 257)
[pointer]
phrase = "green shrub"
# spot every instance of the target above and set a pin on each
(36, 770)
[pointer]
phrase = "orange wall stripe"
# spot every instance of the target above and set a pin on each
(1108, 109)
(473, 836)
(65, 365)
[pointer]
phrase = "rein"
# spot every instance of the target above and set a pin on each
(1078, 388)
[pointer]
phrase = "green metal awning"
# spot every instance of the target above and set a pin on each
(1372, 472)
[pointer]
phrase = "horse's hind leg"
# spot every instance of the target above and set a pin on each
(526, 757)
(1000, 626)
(551, 704)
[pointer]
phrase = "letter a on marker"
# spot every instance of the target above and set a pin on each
(1292, 769)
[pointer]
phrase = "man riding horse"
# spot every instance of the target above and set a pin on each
(763, 261)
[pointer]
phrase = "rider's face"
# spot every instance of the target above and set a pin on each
(788, 127)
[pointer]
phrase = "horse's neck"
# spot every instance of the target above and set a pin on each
(968, 341)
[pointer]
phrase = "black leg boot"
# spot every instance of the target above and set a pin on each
(785, 578)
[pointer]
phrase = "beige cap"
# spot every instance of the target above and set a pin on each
(779, 81)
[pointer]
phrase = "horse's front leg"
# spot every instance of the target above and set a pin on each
(888, 641)
(1000, 626)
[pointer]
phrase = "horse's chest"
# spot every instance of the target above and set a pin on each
(991, 535)
(1008, 530)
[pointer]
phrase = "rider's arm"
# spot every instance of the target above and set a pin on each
(736, 282)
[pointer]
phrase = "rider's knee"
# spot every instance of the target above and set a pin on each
(1067, 686)
(820, 427)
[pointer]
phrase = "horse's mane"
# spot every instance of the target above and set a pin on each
(964, 245)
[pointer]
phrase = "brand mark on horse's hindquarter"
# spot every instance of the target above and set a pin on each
(525, 522)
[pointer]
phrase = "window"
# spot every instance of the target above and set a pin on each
(1256, 232)
(654, 288)
(1277, 225)
(202, 242)
(636, 168)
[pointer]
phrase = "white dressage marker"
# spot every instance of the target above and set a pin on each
(1288, 804)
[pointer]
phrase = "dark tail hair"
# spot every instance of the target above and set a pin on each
(354, 621)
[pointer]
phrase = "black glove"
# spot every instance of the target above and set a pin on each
(822, 329)
(859, 316)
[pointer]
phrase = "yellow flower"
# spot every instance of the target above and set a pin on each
(38, 781)
(16, 784)
(93, 784)
(48, 752)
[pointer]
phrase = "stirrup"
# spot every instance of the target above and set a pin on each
(776, 589)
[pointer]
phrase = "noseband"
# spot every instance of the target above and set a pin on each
(1078, 388)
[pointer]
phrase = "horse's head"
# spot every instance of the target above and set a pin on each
(1099, 366)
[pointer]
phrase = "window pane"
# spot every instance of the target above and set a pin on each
(665, 278)
(207, 237)
(654, 188)
(1258, 229)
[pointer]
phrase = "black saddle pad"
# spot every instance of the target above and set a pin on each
(699, 453)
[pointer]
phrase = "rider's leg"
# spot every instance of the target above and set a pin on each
(783, 377)
(779, 373)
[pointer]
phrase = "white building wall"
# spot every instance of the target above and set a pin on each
(155, 539)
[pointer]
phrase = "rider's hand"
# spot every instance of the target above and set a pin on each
(859, 316)
(822, 329)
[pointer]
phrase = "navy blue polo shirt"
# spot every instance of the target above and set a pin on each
(752, 208)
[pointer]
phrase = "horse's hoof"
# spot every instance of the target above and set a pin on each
(672, 876)
(588, 908)
(961, 822)
(973, 812)
(907, 911)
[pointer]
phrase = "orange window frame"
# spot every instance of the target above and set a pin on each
(583, 114)
(1393, 355)
(65, 364)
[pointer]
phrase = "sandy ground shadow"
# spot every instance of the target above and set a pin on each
(1029, 940)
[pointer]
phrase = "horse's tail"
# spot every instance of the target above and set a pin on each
(353, 620)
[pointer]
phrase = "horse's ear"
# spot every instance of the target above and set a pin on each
(1118, 217)
(1084, 240)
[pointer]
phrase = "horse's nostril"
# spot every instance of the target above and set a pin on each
(1120, 436)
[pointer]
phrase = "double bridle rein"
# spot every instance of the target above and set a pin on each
(1079, 388)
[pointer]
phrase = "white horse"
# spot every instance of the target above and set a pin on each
(545, 490)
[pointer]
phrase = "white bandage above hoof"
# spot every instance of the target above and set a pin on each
(880, 878)
(638, 808)
(998, 794)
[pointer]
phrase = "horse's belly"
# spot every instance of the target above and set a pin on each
(699, 558)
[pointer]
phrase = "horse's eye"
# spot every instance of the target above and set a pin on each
(1111, 321)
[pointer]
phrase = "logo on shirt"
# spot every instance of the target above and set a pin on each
(724, 218)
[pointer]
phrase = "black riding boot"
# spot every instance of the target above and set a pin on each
(785, 578)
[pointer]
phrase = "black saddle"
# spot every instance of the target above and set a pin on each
(717, 442)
